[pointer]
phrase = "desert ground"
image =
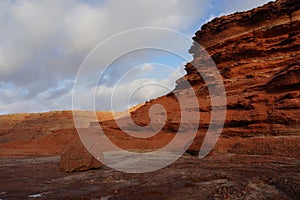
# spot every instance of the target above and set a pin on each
(219, 176)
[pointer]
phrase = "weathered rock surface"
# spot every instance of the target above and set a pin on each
(258, 55)
(75, 157)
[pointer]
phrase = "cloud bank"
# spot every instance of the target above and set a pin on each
(43, 43)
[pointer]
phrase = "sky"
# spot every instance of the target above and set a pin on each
(44, 43)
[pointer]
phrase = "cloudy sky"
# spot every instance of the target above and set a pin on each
(43, 44)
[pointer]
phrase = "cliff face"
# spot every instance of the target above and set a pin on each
(258, 55)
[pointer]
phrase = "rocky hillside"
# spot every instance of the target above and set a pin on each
(258, 55)
(39, 133)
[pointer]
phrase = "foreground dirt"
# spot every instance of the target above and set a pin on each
(220, 176)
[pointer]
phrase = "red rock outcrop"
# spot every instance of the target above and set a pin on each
(258, 55)
(75, 157)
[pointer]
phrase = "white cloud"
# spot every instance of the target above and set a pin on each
(128, 91)
(42, 43)
(147, 67)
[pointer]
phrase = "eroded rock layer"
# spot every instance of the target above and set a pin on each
(258, 55)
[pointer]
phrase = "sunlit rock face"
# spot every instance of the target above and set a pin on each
(258, 54)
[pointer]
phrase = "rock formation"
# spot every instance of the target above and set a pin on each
(75, 157)
(258, 55)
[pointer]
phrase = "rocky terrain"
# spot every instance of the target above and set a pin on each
(256, 157)
(220, 176)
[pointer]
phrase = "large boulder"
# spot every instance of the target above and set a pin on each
(75, 157)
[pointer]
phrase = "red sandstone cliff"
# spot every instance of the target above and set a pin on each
(258, 55)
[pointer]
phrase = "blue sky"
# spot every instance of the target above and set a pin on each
(43, 43)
